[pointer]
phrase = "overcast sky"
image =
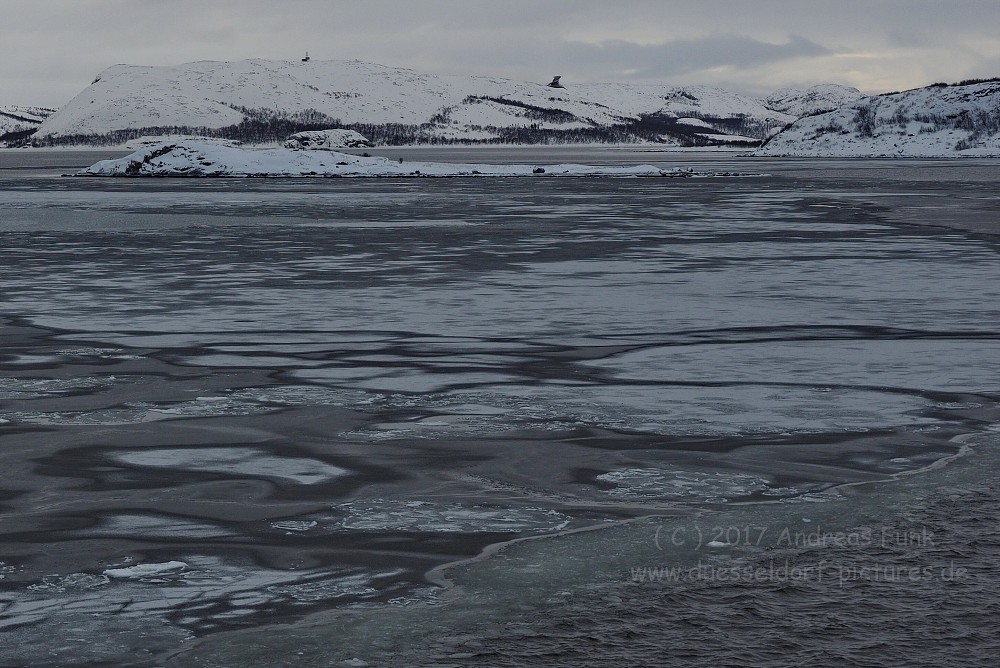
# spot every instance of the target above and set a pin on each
(50, 50)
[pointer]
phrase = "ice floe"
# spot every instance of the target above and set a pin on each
(235, 461)
(140, 571)
(424, 516)
(133, 609)
(718, 487)
(391, 515)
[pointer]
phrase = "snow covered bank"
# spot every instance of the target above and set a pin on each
(202, 159)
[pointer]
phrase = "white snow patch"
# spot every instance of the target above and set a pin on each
(728, 138)
(697, 122)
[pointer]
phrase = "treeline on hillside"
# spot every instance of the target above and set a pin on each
(651, 125)
(260, 126)
(868, 123)
(16, 137)
(529, 111)
(964, 82)
(977, 123)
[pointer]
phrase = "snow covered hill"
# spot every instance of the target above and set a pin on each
(814, 100)
(262, 101)
(17, 122)
(939, 120)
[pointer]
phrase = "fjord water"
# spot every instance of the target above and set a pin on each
(274, 422)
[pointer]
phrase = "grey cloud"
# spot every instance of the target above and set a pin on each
(910, 38)
(680, 57)
(51, 50)
(531, 58)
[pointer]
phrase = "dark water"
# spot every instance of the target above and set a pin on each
(231, 404)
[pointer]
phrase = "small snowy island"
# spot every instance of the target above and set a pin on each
(201, 158)
(320, 140)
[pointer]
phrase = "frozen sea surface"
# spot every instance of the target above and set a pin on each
(326, 405)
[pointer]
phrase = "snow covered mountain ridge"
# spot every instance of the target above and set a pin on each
(815, 100)
(262, 101)
(940, 120)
